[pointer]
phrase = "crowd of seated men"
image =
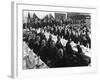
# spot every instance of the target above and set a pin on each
(71, 31)
(76, 31)
(55, 54)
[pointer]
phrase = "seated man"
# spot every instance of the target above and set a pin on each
(58, 43)
(42, 36)
(52, 54)
(43, 51)
(60, 60)
(36, 45)
(82, 59)
(49, 40)
(31, 40)
(69, 54)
